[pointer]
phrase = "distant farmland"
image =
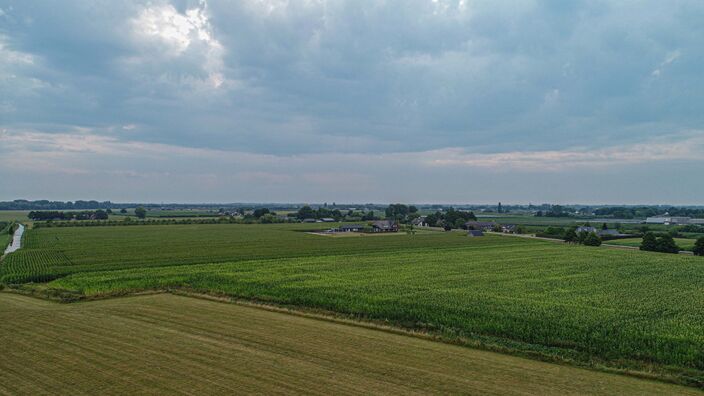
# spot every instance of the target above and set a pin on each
(625, 309)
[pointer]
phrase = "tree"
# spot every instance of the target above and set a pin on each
(306, 212)
(397, 211)
(649, 243)
(582, 236)
(604, 226)
(499, 209)
(699, 247)
(123, 210)
(520, 229)
(592, 239)
(571, 236)
(260, 212)
(140, 212)
(666, 244)
(369, 216)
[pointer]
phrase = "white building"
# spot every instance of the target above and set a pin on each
(668, 220)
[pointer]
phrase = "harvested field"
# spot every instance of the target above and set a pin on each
(179, 345)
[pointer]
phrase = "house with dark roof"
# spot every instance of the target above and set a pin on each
(351, 228)
(479, 225)
(610, 233)
(384, 226)
(508, 228)
(420, 221)
(586, 229)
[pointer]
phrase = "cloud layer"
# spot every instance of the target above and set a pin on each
(318, 100)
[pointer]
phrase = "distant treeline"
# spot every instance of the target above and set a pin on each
(21, 204)
(128, 221)
(648, 211)
(57, 215)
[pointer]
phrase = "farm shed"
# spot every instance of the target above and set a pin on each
(384, 226)
(475, 233)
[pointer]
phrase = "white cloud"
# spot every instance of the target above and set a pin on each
(70, 147)
(178, 35)
(669, 58)
(661, 150)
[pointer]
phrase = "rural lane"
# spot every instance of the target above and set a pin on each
(16, 240)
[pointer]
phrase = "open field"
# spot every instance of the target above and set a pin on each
(13, 215)
(175, 345)
(196, 213)
(531, 220)
(592, 306)
(683, 243)
(54, 252)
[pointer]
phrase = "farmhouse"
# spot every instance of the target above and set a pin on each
(610, 233)
(309, 220)
(586, 229)
(420, 221)
(327, 220)
(475, 233)
(508, 228)
(479, 225)
(351, 228)
(384, 226)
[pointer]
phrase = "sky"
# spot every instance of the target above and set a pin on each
(422, 101)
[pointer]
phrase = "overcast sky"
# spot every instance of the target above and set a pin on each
(458, 101)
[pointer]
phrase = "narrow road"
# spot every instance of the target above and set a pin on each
(16, 240)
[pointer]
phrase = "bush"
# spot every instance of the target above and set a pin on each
(666, 244)
(571, 236)
(649, 243)
(699, 247)
(592, 240)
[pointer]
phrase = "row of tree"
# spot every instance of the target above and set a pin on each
(555, 211)
(44, 215)
(663, 244)
(583, 238)
(450, 218)
(666, 244)
(22, 204)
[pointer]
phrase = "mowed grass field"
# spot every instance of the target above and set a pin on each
(13, 215)
(166, 344)
(683, 243)
(592, 306)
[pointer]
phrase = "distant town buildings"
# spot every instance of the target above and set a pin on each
(673, 220)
